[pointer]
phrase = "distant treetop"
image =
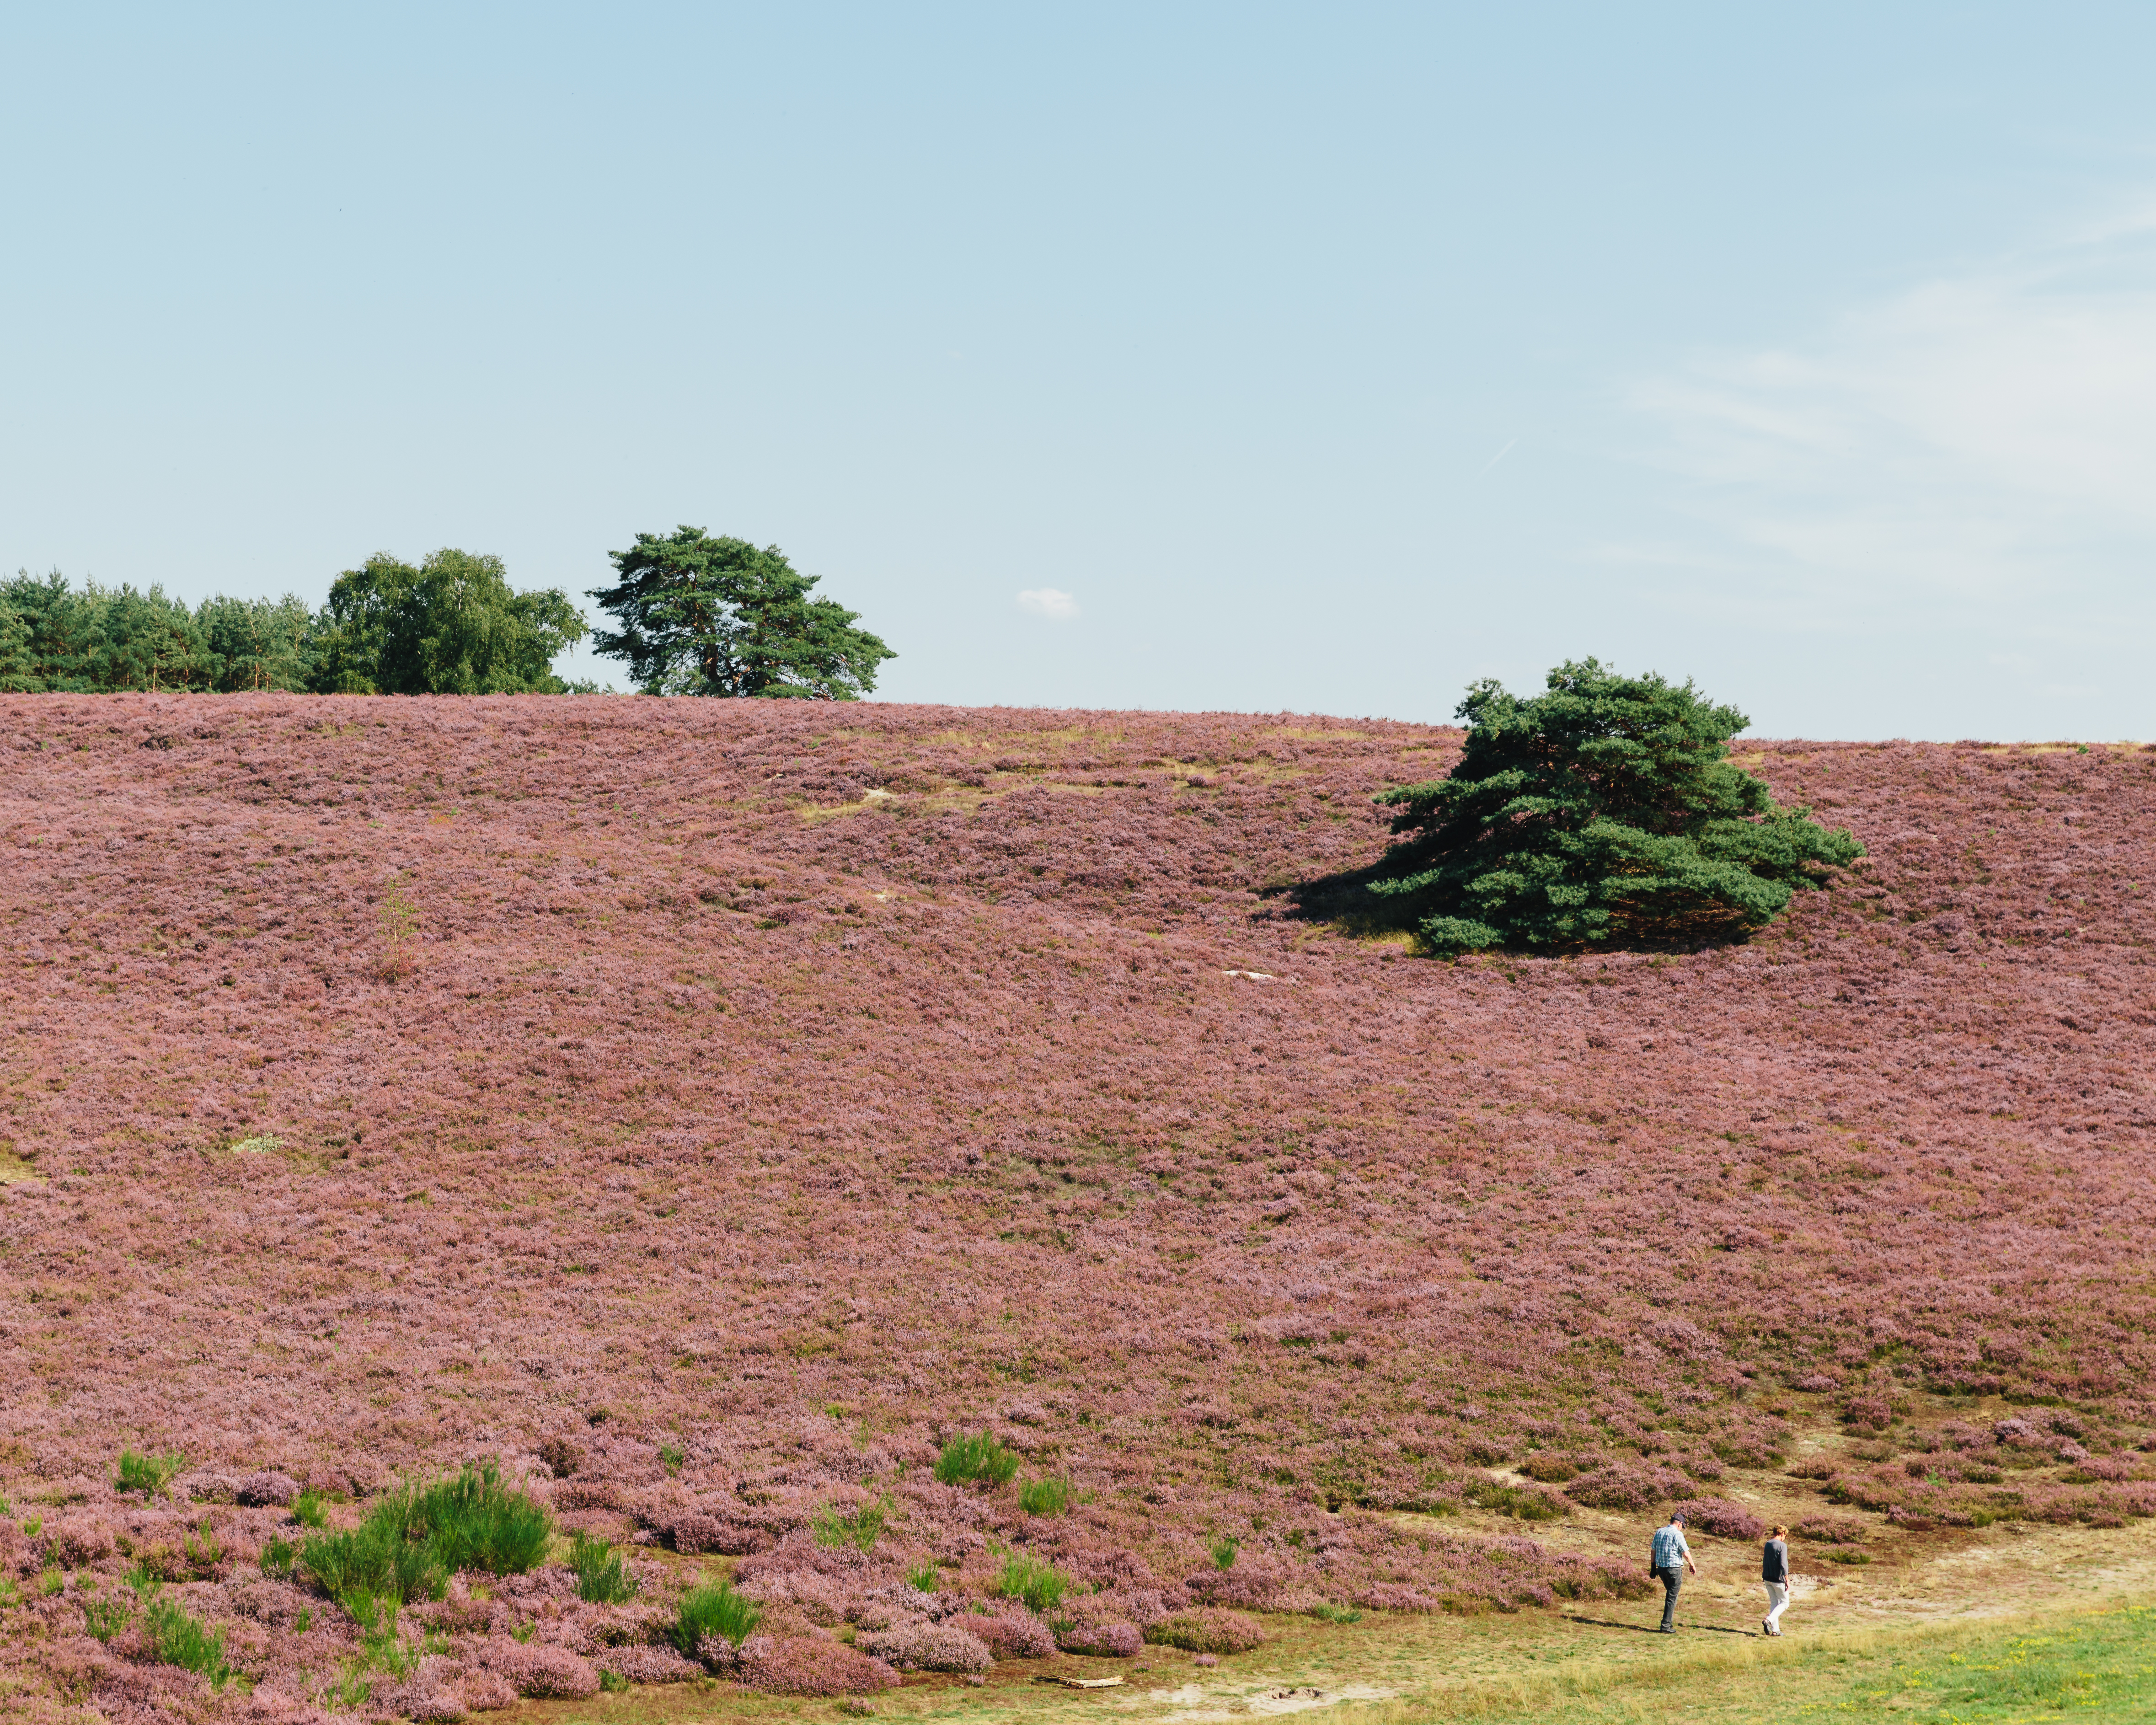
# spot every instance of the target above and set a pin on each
(703, 615)
(1604, 812)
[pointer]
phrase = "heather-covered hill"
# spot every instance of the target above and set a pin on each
(791, 1086)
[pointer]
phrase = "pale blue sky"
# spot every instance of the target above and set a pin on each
(1325, 358)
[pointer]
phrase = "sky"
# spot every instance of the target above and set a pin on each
(1323, 359)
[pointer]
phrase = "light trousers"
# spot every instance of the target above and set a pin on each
(1778, 1602)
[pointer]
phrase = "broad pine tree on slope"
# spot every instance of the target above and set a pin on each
(1604, 812)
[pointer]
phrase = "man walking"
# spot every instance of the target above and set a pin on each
(1670, 1552)
(1774, 1571)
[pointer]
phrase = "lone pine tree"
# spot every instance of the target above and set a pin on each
(1605, 811)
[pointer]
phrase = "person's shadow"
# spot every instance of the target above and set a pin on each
(1643, 1629)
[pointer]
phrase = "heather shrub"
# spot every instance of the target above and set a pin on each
(1208, 1629)
(1829, 1530)
(1549, 1469)
(1523, 1501)
(1023, 1577)
(859, 1528)
(810, 1665)
(1621, 1487)
(1871, 1413)
(713, 1611)
(643, 1663)
(603, 1577)
(147, 1474)
(1049, 1496)
(1013, 1633)
(1089, 1625)
(986, 1458)
(1721, 1517)
(1606, 810)
(261, 1490)
(561, 1456)
(926, 1647)
(540, 1672)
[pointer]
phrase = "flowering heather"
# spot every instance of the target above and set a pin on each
(712, 1110)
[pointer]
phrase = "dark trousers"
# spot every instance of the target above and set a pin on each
(1671, 1579)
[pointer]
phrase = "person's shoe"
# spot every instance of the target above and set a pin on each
(1765, 1627)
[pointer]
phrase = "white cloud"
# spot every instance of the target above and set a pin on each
(1986, 439)
(1049, 601)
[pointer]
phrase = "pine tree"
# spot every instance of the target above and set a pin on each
(1603, 812)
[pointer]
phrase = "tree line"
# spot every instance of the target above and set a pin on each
(698, 614)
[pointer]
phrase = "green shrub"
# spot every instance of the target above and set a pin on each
(859, 1528)
(308, 1511)
(375, 1561)
(965, 1459)
(1606, 811)
(922, 1577)
(1025, 1576)
(1330, 1612)
(714, 1608)
(601, 1577)
(415, 1537)
(671, 1457)
(147, 1474)
(1224, 1551)
(1044, 1497)
(277, 1555)
(176, 1639)
(104, 1618)
(612, 1683)
(472, 1520)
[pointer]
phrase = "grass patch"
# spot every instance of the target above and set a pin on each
(416, 1537)
(1044, 1497)
(2098, 1665)
(146, 1474)
(176, 1638)
(601, 1577)
(1025, 1576)
(967, 1460)
(859, 1528)
(716, 1611)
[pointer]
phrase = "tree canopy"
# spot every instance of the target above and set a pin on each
(1605, 811)
(705, 615)
(452, 626)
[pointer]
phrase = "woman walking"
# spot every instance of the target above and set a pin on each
(1774, 1571)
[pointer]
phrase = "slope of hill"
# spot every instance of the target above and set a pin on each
(766, 1092)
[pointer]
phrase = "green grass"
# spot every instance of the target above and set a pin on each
(308, 1511)
(2095, 1666)
(601, 1577)
(177, 1638)
(714, 1608)
(146, 1474)
(416, 1537)
(986, 1458)
(1041, 1585)
(1049, 1496)
(859, 1528)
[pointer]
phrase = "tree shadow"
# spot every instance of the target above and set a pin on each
(1344, 900)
